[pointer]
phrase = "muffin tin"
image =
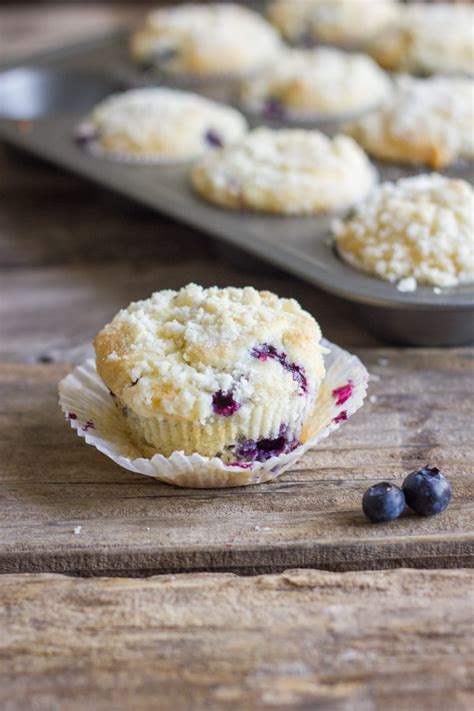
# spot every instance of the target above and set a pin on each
(38, 113)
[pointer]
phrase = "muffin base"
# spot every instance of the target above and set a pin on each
(91, 411)
(223, 435)
(93, 146)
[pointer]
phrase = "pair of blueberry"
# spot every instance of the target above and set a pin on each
(426, 492)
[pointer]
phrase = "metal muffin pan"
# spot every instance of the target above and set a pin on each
(38, 113)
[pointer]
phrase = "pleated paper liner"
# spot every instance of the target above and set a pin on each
(281, 116)
(90, 410)
(220, 86)
(84, 135)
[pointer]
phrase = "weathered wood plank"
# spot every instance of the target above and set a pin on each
(393, 640)
(52, 482)
(70, 256)
(82, 223)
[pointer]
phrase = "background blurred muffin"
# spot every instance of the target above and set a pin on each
(160, 123)
(205, 40)
(324, 82)
(332, 21)
(418, 230)
(287, 171)
(425, 121)
(427, 39)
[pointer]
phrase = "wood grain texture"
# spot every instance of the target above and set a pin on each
(393, 640)
(70, 256)
(52, 482)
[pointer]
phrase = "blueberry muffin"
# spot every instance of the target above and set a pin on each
(428, 39)
(205, 40)
(417, 231)
(164, 124)
(350, 22)
(424, 122)
(230, 373)
(288, 171)
(324, 82)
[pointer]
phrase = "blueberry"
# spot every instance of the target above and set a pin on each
(213, 138)
(343, 393)
(383, 502)
(224, 403)
(427, 491)
(265, 351)
(274, 109)
(265, 448)
(164, 54)
(306, 39)
(85, 134)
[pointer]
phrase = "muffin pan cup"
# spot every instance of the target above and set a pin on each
(299, 245)
(90, 410)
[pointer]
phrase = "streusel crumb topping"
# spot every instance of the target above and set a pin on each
(421, 227)
(196, 352)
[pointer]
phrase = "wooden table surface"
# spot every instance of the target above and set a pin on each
(70, 256)
(300, 640)
(310, 516)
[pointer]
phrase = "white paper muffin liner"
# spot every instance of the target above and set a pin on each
(94, 148)
(91, 411)
(328, 122)
(190, 79)
(168, 434)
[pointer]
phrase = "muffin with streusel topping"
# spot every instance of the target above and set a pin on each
(428, 39)
(230, 373)
(319, 83)
(423, 121)
(160, 124)
(350, 22)
(419, 230)
(287, 172)
(204, 40)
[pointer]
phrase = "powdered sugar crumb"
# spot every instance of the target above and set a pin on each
(288, 171)
(159, 122)
(408, 284)
(418, 230)
(324, 81)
